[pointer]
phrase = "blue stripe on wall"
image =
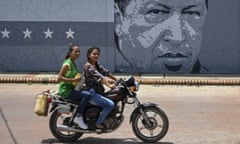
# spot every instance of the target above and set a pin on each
(85, 33)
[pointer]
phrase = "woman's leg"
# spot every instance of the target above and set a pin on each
(103, 102)
(83, 97)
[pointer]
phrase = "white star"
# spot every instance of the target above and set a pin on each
(27, 34)
(48, 34)
(5, 33)
(70, 34)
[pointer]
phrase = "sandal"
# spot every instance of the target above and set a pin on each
(99, 126)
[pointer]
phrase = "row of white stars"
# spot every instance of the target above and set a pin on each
(27, 34)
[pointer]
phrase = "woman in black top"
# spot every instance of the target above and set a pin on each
(95, 76)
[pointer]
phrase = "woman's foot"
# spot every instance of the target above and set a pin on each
(79, 121)
(99, 126)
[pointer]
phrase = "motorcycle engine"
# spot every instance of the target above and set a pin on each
(113, 122)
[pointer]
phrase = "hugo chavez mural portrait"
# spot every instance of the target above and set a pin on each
(159, 36)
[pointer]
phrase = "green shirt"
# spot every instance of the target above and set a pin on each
(66, 87)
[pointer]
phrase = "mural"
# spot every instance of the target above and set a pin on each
(35, 35)
(161, 36)
(135, 36)
(40, 46)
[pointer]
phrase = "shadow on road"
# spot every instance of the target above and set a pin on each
(91, 140)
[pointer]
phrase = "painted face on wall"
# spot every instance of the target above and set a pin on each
(162, 36)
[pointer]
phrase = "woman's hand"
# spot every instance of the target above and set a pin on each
(109, 82)
(112, 83)
(76, 79)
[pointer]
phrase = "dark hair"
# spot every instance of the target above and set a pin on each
(71, 46)
(90, 50)
(123, 3)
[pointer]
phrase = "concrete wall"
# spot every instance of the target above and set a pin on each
(92, 22)
(221, 46)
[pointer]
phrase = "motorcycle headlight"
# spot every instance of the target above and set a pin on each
(135, 87)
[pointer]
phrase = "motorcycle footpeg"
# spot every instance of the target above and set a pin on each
(99, 130)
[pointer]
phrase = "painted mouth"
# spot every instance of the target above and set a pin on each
(173, 61)
(172, 55)
(174, 68)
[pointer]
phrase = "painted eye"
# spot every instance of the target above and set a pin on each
(192, 13)
(157, 11)
(156, 15)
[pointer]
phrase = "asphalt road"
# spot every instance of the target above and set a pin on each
(197, 115)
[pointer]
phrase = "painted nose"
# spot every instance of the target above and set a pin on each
(174, 33)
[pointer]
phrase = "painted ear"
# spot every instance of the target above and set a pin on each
(118, 30)
(117, 20)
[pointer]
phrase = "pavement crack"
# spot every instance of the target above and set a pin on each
(8, 127)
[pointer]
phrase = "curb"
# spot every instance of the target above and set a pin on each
(189, 81)
(28, 78)
(157, 80)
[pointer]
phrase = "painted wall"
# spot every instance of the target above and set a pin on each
(178, 37)
(221, 43)
(34, 35)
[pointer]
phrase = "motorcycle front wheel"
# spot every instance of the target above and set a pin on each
(151, 128)
(62, 119)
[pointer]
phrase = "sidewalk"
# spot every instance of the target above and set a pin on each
(143, 79)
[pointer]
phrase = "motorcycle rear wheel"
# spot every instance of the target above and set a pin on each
(62, 119)
(156, 130)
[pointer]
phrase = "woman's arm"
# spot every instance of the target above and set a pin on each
(106, 72)
(98, 76)
(112, 77)
(61, 75)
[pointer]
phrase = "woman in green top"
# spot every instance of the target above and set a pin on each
(67, 78)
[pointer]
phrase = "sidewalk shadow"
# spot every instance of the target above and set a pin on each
(93, 140)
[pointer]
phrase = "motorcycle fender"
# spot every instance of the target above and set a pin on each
(142, 106)
(62, 108)
(53, 107)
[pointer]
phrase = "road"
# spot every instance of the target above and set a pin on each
(197, 115)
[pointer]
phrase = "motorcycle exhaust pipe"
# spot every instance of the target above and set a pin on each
(70, 129)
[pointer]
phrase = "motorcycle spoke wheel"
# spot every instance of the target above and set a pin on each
(153, 128)
(62, 119)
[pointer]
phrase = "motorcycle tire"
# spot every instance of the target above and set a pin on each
(141, 129)
(62, 136)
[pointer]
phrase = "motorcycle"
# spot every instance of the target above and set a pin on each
(149, 122)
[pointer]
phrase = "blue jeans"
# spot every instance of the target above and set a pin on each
(83, 97)
(103, 102)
